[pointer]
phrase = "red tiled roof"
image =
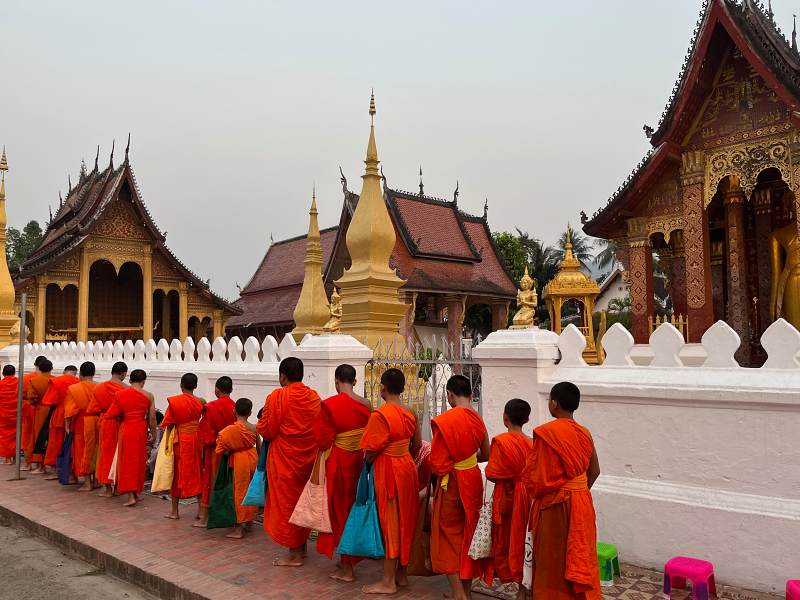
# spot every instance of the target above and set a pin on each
(275, 307)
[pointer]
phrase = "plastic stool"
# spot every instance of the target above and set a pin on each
(793, 589)
(608, 559)
(699, 572)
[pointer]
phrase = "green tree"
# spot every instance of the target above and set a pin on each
(582, 247)
(606, 258)
(21, 244)
(512, 252)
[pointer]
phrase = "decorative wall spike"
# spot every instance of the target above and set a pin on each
(617, 342)
(666, 342)
(218, 349)
(720, 342)
(782, 343)
(269, 349)
(571, 343)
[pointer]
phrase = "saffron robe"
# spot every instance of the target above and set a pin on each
(339, 415)
(28, 411)
(510, 505)
(457, 435)
(132, 407)
(106, 431)
(389, 432)
(36, 392)
(55, 396)
(563, 517)
(184, 412)
(79, 395)
(8, 416)
(286, 421)
(239, 443)
(217, 415)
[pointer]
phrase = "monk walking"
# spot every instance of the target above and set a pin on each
(559, 472)
(79, 396)
(338, 429)
(37, 442)
(391, 437)
(218, 414)
(242, 445)
(8, 415)
(28, 414)
(183, 413)
(286, 422)
(459, 443)
(510, 506)
(55, 397)
(135, 408)
(106, 431)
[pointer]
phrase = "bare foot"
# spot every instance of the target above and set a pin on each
(235, 535)
(339, 576)
(287, 562)
(37, 471)
(25, 468)
(200, 524)
(86, 488)
(380, 588)
(172, 516)
(51, 478)
(401, 579)
(104, 494)
(130, 503)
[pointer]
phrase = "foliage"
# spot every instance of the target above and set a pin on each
(21, 244)
(582, 247)
(606, 258)
(478, 320)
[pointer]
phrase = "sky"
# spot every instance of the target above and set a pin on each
(237, 109)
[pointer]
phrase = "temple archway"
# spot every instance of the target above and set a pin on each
(61, 313)
(165, 314)
(115, 301)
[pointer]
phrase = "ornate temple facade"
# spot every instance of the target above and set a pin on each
(104, 272)
(715, 197)
(446, 257)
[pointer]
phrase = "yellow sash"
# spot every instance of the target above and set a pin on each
(464, 465)
(579, 484)
(349, 440)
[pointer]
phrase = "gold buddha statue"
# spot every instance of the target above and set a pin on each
(785, 294)
(332, 326)
(527, 301)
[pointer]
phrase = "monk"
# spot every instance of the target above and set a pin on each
(9, 386)
(392, 436)
(338, 430)
(459, 443)
(217, 415)
(28, 413)
(55, 397)
(106, 431)
(510, 506)
(560, 471)
(242, 445)
(286, 421)
(183, 414)
(135, 408)
(37, 442)
(79, 396)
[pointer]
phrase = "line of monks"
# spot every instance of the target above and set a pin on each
(541, 484)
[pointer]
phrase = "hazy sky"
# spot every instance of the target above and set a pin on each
(237, 108)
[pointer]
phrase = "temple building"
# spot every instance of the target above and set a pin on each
(715, 197)
(104, 272)
(446, 257)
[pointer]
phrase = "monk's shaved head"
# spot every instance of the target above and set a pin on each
(292, 369)
(9, 371)
(459, 386)
(70, 369)
(394, 381)
(38, 360)
(119, 368)
(244, 407)
(567, 395)
(518, 411)
(189, 382)
(346, 374)
(45, 366)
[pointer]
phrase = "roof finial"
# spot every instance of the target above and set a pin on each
(128, 147)
(794, 33)
(50, 209)
(372, 148)
(111, 158)
(60, 200)
(3, 163)
(383, 177)
(770, 14)
(485, 208)
(69, 184)
(372, 110)
(96, 159)
(421, 186)
(455, 193)
(271, 239)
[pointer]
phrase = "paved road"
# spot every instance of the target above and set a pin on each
(31, 568)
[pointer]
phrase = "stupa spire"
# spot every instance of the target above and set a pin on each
(8, 317)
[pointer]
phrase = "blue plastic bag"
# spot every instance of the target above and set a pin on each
(362, 531)
(258, 484)
(64, 461)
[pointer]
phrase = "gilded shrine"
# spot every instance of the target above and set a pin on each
(715, 199)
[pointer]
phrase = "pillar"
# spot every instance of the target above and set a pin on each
(736, 276)
(83, 298)
(183, 311)
(166, 317)
(499, 315)
(718, 283)
(640, 257)
(763, 218)
(455, 321)
(39, 330)
(677, 273)
(147, 295)
(697, 258)
(218, 326)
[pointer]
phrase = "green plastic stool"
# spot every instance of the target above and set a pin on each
(608, 560)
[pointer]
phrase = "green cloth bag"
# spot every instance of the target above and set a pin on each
(222, 510)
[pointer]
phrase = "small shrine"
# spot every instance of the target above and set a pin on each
(572, 287)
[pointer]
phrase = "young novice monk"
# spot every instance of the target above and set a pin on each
(36, 442)
(391, 437)
(510, 506)
(106, 430)
(54, 397)
(8, 415)
(559, 472)
(459, 443)
(242, 445)
(79, 396)
(28, 413)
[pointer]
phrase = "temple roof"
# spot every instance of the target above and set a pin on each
(752, 29)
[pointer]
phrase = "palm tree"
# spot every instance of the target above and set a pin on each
(581, 247)
(606, 259)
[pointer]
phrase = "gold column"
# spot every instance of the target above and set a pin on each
(166, 317)
(8, 316)
(218, 326)
(183, 311)
(39, 330)
(147, 294)
(83, 297)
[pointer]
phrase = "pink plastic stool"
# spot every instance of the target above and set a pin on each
(793, 589)
(699, 572)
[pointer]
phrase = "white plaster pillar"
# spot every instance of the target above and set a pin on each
(321, 354)
(513, 362)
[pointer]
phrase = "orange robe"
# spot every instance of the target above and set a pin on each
(28, 411)
(8, 416)
(286, 421)
(510, 506)
(132, 407)
(217, 415)
(339, 426)
(36, 391)
(55, 396)
(79, 395)
(389, 432)
(457, 435)
(184, 412)
(240, 444)
(563, 518)
(106, 431)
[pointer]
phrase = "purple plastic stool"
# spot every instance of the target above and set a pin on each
(699, 572)
(793, 589)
